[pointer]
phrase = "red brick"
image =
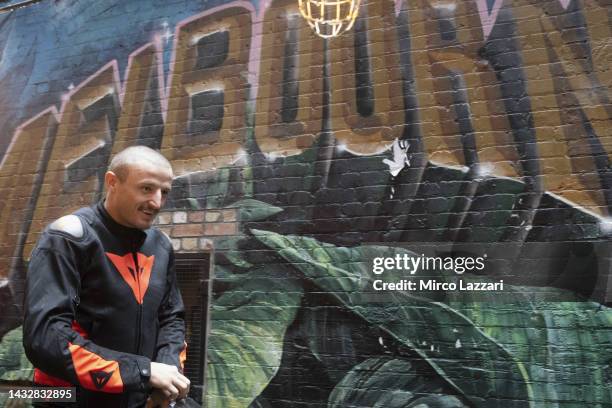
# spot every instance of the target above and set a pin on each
(229, 215)
(195, 216)
(187, 230)
(221, 228)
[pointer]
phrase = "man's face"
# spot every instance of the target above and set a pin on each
(136, 201)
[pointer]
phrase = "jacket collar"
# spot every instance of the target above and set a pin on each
(134, 236)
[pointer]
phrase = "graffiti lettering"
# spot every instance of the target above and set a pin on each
(367, 107)
(569, 125)
(482, 95)
(141, 120)
(87, 127)
(206, 118)
(290, 94)
(21, 174)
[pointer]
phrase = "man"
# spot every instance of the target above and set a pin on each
(102, 307)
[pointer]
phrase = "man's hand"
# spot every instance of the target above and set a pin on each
(157, 399)
(169, 381)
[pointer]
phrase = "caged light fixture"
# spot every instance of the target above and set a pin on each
(329, 18)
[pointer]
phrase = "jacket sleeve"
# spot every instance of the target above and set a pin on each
(171, 347)
(51, 341)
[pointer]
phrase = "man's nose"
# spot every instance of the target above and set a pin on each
(157, 200)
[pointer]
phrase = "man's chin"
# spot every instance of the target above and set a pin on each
(145, 225)
(142, 224)
(145, 221)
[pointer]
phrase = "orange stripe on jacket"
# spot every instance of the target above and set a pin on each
(94, 372)
(183, 356)
(77, 328)
(42, 378)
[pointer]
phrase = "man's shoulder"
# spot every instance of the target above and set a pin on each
(68, 224)
(162, 237)
(71, 225)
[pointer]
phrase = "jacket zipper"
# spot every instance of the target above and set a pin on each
(139, 319)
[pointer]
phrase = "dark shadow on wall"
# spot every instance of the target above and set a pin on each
(321, 350)
(563, 246)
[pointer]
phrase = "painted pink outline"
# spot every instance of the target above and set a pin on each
(53, 110)
(20, 128)
(116, 84)
(398, 6)
(120, 86)
(255, 55)
(158, 50)
(488, 20)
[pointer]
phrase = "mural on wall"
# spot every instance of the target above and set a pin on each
(456, 127)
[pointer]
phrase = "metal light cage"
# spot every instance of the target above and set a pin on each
(329, 18)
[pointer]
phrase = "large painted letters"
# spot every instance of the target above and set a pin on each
(21, 174)
(206, 119)
(85, 134)
(497, 90)
(367, 106)
(289, 110)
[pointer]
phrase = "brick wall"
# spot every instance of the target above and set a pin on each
(432, 128)
(196, 230)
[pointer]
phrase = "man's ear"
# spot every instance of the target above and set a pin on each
(110, 180)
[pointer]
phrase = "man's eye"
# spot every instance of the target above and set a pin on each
(165, 192)
(146, 189)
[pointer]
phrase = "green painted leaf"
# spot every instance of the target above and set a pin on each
(384, 382)
(231, 258)
(565, 346)
(481, 369)
(14, 365)
(5, 402)
(255, 210)
(193, 203)
(217, 188)
(248, 324)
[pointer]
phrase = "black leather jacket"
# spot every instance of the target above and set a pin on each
(100, 307)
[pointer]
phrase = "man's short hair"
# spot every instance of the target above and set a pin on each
(122, 161)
